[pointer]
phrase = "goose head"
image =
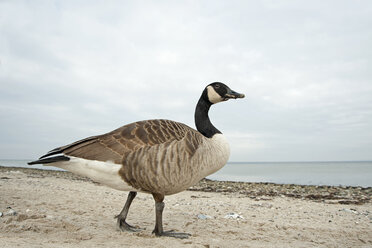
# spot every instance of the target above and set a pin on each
(218, 92)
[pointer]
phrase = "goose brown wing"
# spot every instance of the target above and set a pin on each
(114, 145)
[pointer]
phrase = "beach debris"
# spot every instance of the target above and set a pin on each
(351, 210)
(1, 214)
(234, 216)
(10, 212)
(346, 195)
(204, 217)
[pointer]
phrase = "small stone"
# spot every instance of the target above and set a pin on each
(204, 217)
(349, 210)
(1, 214)
(233, 216)
(10, 212)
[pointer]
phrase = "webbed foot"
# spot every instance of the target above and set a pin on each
(123, 226)
(172, 234)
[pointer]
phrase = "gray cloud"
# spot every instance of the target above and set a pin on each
(73, 69)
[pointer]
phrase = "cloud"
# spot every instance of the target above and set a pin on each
(73, 69)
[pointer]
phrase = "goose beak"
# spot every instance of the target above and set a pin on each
(233, 95)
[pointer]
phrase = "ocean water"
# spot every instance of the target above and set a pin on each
(303, 173)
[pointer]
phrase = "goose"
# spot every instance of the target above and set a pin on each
(159, 157)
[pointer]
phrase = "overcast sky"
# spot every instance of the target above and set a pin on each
(72, 69)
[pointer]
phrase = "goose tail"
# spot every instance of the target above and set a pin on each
(50, 160)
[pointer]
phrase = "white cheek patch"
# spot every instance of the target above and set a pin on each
(213, 96)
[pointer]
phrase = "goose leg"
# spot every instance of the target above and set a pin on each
(158, 230)
(122, 225)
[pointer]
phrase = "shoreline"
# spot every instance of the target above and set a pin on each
(329, 194)
(355, 174)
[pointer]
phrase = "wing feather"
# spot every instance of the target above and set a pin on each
(114, 145)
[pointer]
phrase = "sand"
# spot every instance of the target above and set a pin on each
(41, 209)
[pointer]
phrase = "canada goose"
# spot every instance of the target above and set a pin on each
(160, 157)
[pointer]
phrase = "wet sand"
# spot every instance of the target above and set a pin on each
(58, 209)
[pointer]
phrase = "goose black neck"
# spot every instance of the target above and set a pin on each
(202, 122)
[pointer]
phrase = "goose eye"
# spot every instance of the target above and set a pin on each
(217, 86)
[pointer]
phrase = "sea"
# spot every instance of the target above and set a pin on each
(341, 173)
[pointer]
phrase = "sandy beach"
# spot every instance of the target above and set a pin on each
(57, 209)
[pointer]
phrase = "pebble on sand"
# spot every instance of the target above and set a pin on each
(10, 212)
(204, 217)
(233, 216)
